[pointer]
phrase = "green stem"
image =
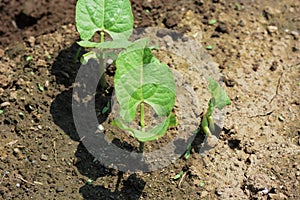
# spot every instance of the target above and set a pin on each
(101, 37)
(142, 122)
(142, 118)
(211, 124)
(101, 62)
(204, 125)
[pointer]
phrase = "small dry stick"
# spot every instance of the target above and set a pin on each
(54, 150)
(181, 179)
(30, 183)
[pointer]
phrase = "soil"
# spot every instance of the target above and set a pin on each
(256, 45)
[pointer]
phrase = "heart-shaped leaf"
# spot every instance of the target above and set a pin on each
(141, 78)
(219, 97)
(112, 16)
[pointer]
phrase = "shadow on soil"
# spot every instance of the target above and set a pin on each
(65, 69)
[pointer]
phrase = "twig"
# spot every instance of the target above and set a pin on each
(182, 179)
(11, 143)
(30, 183)
(54, 150)
(277, 88)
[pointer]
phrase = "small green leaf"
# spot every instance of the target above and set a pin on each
(237, 6)
(29, 58)
(188, 152)
(280, 118)
(219, 96)
(32, 73)
(212, 22)
(21, 114)
(112, 16)
(89, 181)
(202, 184)
(179, 175)
(1, 112)
(106, 108)
(209, 47)
(41, 87)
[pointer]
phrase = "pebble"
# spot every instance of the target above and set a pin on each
(44, 157)
(4, 104)
(212, 141)
(277, 196)
(222, 28)
(60, 189)
(295, 34)
(272, 29)
(17, 150)
(13, 96)
(204, 194)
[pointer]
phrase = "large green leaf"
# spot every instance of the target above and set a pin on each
(219, 96)
(141, 78)
(153, 134)
(112, 16)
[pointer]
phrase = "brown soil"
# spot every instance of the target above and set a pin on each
(255, 43)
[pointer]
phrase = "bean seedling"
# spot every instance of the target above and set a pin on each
(140, 78)
(218, 100)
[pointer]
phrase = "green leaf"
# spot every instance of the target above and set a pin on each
(179, 175)
(219, 96)
(188, 152)
(212, 22)
(153, 134)
(41, 87)
(114, 44)
(140, 77)
(112, 16)
(1, 112)
(209, 47)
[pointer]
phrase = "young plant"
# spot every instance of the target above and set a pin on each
(140, 78)
(218, 100)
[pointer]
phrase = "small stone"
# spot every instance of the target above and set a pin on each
(222, 28)
(204, 194)
(272, 29)
(60, 189)
(44, 157)
(17, 150)
(31, 41)
(13, 96)
(295, 34)
(274, 66)
(4, 104)
(212, 141)
(277, 196)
